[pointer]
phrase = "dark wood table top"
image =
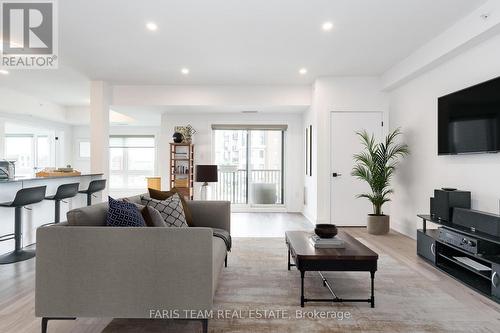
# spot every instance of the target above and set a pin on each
(354, 250)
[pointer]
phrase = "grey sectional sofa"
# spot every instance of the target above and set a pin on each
(85, 269)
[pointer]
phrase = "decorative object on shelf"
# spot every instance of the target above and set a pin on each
(308, 150)
(326, 230)
(206, 174)
(181, 168)
(177, 137)
(376, 166)
(186, 132)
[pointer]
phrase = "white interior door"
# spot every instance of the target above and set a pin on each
(346, 209)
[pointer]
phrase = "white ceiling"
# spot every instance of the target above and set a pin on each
(231, 42)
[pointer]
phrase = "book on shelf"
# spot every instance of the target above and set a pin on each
(326, 243)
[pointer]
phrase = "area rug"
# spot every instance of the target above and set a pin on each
(258, 294)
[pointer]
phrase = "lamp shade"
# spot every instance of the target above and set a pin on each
(206, 173)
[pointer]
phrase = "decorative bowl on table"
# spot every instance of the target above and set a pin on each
(326, 230)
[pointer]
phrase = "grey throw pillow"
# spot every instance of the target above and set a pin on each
(153, 217)
(171, 210)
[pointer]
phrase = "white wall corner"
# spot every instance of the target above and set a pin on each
(478, 26)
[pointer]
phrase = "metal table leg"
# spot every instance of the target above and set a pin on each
(302, 298)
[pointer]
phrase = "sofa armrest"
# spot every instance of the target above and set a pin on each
(213, 214)
(122, 272)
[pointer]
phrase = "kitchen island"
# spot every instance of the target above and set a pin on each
(40, 213)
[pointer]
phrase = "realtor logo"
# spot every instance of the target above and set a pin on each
(29, 38)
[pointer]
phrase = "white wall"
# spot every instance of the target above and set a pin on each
(340, 94)
(413, 107)
(19, 122)
(212, 95)
(83, 133)
(14, 102)
(203, 145)
(310, 203)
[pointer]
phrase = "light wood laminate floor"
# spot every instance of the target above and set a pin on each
(17, 280)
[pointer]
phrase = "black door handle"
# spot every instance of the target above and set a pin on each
(336, 174)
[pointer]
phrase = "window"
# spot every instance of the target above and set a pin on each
(42, 152)
(31, 149)
(250, 165)
(20, 148)
(131, 160)
(84, 149)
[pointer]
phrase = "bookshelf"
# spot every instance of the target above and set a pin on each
(182, 168)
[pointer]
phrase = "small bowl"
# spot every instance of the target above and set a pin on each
(326, 230)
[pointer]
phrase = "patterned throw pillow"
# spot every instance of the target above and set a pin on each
(171, 209)
(162, 195)
(123, 214)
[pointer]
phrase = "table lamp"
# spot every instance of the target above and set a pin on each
(205, 174)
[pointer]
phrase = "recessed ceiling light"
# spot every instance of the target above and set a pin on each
(303, 71)
(152, 26)
(185, 71)
(327, 26)
(4, 71)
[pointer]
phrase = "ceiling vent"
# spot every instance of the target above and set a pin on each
(250, 111)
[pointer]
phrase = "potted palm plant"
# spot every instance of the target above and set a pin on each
(376, 165)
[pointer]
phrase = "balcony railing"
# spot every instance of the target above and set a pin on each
(265, 186)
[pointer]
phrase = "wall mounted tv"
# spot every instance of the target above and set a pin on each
(469, 120)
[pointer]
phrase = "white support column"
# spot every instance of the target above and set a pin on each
(164, 152)
(100, 99)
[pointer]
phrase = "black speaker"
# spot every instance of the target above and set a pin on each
(477, 221)
(433, 207)
(445, 200)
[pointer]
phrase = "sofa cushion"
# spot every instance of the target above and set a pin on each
(163, 195)
(152, 217)
(133, 199)
(89, 216)
(123, 214)
(171, 210)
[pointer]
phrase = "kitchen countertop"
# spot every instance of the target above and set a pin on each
(34, 178)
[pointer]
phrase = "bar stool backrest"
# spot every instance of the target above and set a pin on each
(28, 196)
(96, 186)
(66, 191)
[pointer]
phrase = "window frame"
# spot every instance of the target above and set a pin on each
(125, 172)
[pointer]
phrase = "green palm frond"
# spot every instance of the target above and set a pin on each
(376, 166)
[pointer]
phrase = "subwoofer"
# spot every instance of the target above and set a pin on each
(445, 200)
(477, 221)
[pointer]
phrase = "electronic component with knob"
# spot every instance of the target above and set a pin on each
(466, 243)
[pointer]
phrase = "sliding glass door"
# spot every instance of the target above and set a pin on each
(250, 164)
(266, 167)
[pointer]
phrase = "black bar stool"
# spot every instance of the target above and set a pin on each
(94, 186)
(24, 197)
(64, 191)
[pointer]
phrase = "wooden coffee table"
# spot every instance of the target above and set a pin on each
(354, 257)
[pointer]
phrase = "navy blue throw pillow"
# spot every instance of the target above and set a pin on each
(123, 214)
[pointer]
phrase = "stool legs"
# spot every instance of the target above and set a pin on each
(19, 254)
(57, 211)
(89, 199)
(18, 228)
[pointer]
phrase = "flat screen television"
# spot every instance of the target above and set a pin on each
(469, 120)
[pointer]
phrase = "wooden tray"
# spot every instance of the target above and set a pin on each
(58, 174)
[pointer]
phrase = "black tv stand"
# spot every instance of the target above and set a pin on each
(441, 255)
